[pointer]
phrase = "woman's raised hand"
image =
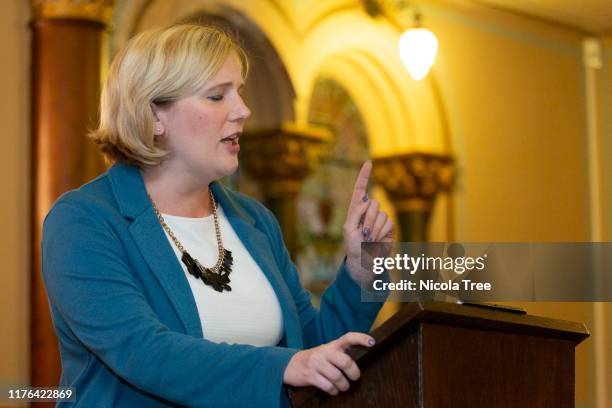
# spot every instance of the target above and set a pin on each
(327, 367)
(364, 222)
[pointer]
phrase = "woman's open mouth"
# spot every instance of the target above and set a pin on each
(232, 139)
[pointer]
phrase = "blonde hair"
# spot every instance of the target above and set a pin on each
(156, 66)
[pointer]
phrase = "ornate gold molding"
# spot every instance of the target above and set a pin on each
(281, 158)
(94, 10)
(412, 180)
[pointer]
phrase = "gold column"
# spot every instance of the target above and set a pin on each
(412, 182)
(280, 159)
(66, 63)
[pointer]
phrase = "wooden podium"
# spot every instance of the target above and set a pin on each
(445, 355)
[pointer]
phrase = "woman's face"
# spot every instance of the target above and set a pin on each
(201, 130)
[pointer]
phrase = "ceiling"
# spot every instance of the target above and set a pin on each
(593, 16)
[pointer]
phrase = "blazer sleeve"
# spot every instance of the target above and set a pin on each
(93, 290)
(342, 309)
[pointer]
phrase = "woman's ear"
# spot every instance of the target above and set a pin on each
(158, 126)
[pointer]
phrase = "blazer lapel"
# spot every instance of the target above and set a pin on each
(131, 195)
(257, 243)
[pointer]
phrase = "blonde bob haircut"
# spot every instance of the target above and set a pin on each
(157, 66)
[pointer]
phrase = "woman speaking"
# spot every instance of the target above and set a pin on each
(168, 289)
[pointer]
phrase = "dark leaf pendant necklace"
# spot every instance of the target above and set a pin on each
(218, 280)
(216, 276)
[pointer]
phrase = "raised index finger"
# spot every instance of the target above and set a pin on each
(361, 184)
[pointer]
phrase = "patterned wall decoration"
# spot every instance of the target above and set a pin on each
(323, 203)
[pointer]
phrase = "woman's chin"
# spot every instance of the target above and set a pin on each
(229, 168)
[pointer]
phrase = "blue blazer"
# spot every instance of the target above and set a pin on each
(128, 327)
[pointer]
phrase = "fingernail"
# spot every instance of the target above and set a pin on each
(365, 198)
(366, 232)
(371, 342)
(369, 239)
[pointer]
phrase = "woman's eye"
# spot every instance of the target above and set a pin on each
(215, 98)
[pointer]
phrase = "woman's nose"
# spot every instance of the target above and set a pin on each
(241, 111)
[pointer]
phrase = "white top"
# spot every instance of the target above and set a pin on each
(250, 312)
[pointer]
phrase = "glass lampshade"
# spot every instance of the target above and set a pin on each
(418, 48)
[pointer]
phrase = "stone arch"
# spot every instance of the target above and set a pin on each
(268, 91)
(401, 114)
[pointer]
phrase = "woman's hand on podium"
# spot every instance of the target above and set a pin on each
(327, 367)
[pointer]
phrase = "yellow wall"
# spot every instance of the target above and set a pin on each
(606, 129)
(14, 206)
(605, 310)
(515, 95)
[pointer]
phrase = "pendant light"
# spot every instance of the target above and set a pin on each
(418, 48)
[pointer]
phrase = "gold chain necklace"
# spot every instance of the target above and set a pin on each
(218, 275)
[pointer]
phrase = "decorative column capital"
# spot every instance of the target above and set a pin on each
(281, 158)
(93, 10)
(412, 180)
